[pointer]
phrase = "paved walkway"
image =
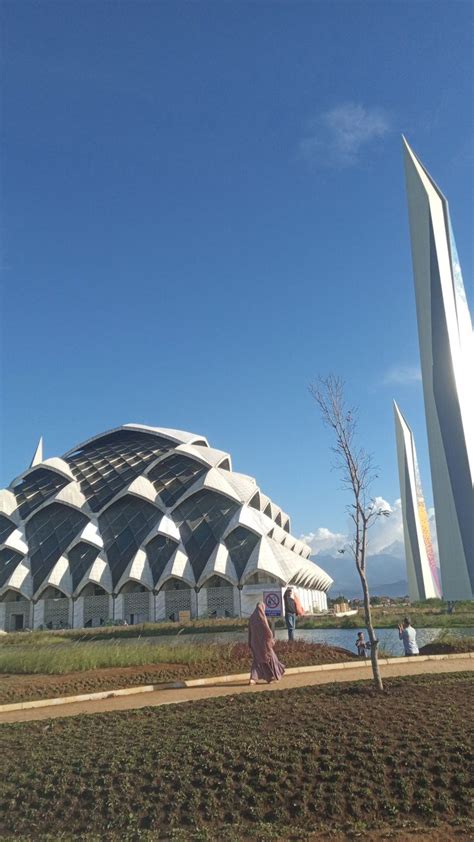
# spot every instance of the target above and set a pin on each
(230, 688)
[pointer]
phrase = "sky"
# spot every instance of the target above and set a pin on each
(203, 209)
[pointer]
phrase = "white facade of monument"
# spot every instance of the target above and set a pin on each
(423, 582)
(447, 366)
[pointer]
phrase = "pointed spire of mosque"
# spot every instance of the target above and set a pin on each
(38, 456)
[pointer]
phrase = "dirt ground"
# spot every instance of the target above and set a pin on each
(331, 760)
(20, 688)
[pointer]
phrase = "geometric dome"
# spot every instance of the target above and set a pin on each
(144, 504)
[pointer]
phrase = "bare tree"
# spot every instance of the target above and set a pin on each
(357, 470)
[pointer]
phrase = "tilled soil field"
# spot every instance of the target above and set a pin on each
(316, 760)
(235, 659)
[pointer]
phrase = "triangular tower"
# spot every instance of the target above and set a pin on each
(447, 366)
(422, 572)
(38, 455)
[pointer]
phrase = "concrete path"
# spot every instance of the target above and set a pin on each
(408, 666)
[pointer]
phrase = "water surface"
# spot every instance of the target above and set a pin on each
(388, 638)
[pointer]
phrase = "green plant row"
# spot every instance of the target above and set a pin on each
(50, 659)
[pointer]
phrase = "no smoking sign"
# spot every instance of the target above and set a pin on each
(272, 601)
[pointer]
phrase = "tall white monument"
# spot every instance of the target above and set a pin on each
(447, 367)
(422, 573)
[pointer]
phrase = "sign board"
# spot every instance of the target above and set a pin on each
(272, 601)
(184, 616)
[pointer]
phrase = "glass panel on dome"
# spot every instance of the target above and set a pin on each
(241, 542)
(124, 526)
(48, 534)
(9, 559)
(175, 475)
(37, 487)
(159, 551)
(80, 559)
(202, 520)
(6, 528)
(107, 465)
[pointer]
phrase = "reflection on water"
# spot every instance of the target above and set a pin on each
(388, 638)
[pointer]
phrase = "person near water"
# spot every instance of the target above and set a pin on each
(298, 605)
(290, 612)
(265, 663)
(362, 645)
(407, 633)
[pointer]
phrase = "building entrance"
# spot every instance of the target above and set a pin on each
(17, 622)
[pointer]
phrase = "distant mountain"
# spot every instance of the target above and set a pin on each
(392, 589)
(386, 575)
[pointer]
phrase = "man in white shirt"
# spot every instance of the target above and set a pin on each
(407, 633)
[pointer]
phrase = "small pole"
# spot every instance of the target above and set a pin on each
(272, 626)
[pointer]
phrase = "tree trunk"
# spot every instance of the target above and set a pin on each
(374, 644)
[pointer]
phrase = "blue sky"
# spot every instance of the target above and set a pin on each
(203, 208)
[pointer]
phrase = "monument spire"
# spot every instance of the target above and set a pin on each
(447, 362)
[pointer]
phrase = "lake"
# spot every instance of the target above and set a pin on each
(388, 638)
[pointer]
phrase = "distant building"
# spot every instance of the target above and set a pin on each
(143, 524)
(447, 366)
(422, 573)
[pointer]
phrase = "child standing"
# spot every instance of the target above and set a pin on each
(361, 645)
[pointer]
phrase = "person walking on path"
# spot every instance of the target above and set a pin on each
(265, 663)
(290, 612)
(407, 633)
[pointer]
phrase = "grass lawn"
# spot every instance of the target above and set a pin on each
(422, 617)
(286, 765)
(45, 669)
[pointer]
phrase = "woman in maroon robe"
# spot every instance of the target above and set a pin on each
(265, 663)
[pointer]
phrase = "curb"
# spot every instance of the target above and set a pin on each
(346, 665)
(220, 679)
(91, 697)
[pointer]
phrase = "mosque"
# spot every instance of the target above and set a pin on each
(143, 524)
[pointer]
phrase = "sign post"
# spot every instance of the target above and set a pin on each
(273, 607)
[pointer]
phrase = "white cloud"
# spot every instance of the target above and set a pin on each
(385, 537)
(324, 541)
(402, 375)
(337, 137)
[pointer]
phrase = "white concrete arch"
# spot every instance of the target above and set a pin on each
(74, 500)
(219, 564)
(17, 540)
(9, 505)
(20, 591)
(178, 436)
(59, 577)
(137, 570)
(40, 593)
(243, 485)
(99, 573)
(140, 490)
(252, 519)
(212, 481)
(20, 579)
(173, 436)
(91, 535)
(55, 465)
(178, 567)
(206, 455)
(165, 527)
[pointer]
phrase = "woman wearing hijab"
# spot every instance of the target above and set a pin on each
(265, 663)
